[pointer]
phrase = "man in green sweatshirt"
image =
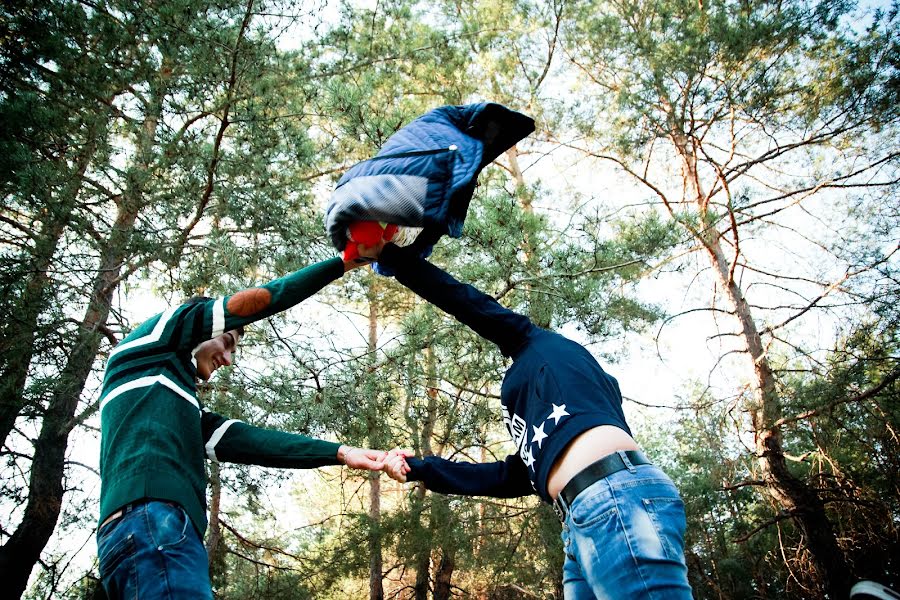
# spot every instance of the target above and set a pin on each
(156, 436)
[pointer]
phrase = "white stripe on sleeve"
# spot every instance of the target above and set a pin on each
(218, 324)
(216, 437)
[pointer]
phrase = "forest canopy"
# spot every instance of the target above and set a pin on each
(709, 204)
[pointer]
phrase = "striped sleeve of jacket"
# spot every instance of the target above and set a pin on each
(206, 320)
(184, 327)
(230, 440)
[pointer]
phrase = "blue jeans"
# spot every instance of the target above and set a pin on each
(624, 538)
(153, 551)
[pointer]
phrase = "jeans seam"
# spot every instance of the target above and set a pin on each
(134, 575)
(157, 554)
(146, 514)
(127, 564)
(118, 547)
(183, 538)
(629, 541)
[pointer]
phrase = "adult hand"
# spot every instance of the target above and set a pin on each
(395, 464)
(361, 458)
(371, 252)
(367, 255)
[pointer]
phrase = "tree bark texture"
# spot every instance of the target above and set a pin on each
(376, 568)
(443, 590)
(214, 549)
(791, 493)
(423, 558)
(376, 585)
(21, 322)
(23, 549)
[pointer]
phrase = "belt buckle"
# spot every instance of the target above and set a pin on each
(559, 510)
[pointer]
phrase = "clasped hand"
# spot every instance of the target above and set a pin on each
(392, 462)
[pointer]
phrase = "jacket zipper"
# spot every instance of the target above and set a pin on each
(452, 148)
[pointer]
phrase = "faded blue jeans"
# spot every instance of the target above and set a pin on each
(624, 539)
(153, 551)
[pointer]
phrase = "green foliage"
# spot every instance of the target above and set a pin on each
(760, 128)
(668, 68)
(849, 455)
(223, 143)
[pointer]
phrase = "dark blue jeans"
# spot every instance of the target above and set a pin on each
(153, 551)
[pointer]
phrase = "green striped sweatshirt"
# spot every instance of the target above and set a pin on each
(155, 435)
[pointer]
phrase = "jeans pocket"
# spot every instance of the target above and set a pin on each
(113, 551)
(667, 516)
(592, 506)
(592, 515)
(167, 524)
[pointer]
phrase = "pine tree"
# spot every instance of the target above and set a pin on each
(738, 96)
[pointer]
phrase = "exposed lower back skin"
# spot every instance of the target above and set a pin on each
(588, 447)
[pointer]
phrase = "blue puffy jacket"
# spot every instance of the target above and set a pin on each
(425, 174)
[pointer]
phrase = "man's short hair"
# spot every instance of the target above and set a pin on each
(199, 299)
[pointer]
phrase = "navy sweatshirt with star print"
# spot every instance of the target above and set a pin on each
(553, 391)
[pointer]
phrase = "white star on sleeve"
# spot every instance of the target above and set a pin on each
(529, 459)
(539, 435)
(558, 413)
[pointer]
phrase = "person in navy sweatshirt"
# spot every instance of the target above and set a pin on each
(622, 518)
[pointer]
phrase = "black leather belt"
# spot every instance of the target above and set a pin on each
(121, 512)
(594, 472)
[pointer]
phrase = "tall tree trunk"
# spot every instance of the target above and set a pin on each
(441, 525)
(23, 549)
(442, 588)
(45, 493)
(215, 549)
(791, 493)
(537, 302)
(423, 558)
(21, 322)
(441, 516)
(376, 585)
(18, 345)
